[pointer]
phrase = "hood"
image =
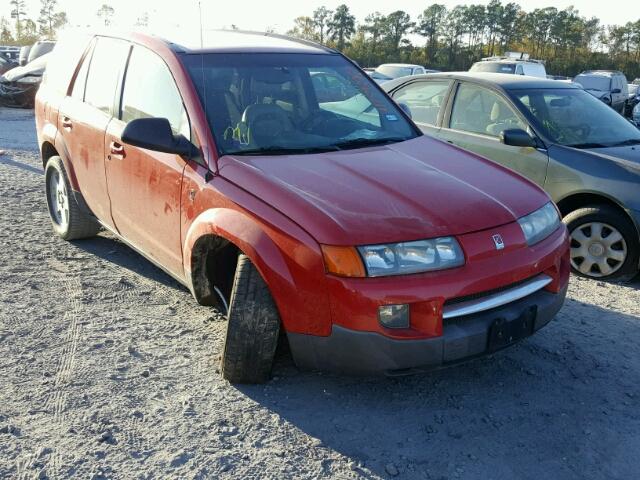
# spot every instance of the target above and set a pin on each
(35, 69)
(418, 189)
(628, 156)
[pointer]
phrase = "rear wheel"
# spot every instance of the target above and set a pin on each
(67, 218)
(604, 243)
(253, 328)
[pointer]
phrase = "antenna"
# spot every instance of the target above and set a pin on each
(200, 11)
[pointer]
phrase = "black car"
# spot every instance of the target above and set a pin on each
(18, 86)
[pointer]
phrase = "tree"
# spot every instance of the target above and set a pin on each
(17, 12)
(106, 13)
(6, 38)
(429, 25)
(397, 25)
(321, 18)
(341, 26)
(143, 20)
(304, 28)
(49, 19)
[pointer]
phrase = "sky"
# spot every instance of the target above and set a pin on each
(279, 14)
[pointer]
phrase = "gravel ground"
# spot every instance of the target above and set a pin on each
(109, 370)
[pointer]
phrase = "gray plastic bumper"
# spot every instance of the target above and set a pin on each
(357, 352)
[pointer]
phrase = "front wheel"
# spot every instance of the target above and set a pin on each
(67, 218)
(604, 243)
(253, 328)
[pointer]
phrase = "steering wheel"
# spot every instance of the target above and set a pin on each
(582, 130)
(317, 120)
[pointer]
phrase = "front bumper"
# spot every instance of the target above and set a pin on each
(15, 94)
(463, 338)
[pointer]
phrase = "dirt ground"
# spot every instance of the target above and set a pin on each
(108, 369)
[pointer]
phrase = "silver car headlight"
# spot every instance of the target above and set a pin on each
(411, 257)
(29, 79)
(636, 113)
(540, 224)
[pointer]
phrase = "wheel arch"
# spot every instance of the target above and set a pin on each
(210, 249)
(578, 200)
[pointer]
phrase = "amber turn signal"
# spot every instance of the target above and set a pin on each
(343, 261)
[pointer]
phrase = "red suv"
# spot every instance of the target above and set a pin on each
(374, 248)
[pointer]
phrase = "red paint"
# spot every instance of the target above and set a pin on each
(278, 210)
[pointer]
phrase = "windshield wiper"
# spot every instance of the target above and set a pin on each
(624, 143)
(587, 145)
(368, 142)
(278, 150)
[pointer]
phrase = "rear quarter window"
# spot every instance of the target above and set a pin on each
(63, 61)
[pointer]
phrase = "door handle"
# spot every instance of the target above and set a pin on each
(66, 123)
(116, 149)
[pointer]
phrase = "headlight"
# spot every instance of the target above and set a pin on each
(540, 224)
(411, 257)
(636, 113)
(29, 80)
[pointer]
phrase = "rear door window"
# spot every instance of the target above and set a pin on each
(424, 99)
(155, 96)
(107, 62)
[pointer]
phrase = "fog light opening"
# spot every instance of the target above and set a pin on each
(394, 316)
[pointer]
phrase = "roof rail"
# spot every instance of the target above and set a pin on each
(280, 36)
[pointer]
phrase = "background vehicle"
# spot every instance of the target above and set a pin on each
(512, 63)
(634, 98)
(378, 77)
(40, 48)
(396, 70)
(10, 52)
(24, 55)
(584, 154)
(607, 85)
(6, 64)
(19, 85)
(220, 164)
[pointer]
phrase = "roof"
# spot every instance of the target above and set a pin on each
(412, 65)
(239, 41)
(602, 73)
(504, 80)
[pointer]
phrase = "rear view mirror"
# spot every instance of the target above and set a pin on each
(156, 134)
(560, 102)
(405, 108)
(516, 137)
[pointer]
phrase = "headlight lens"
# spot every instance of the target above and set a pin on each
(540, 224)
(636, 113)
(411, 257)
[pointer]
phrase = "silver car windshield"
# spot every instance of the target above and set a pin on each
(575, 118)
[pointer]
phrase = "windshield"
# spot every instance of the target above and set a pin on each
(575, 118)
(264, 103)
(594, 82)
(394, 72)
(493, 67)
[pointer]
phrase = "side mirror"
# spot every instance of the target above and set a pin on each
(516, 137)
(405, 108)
(616, 90)
(156, 134)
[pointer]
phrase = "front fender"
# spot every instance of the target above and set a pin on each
(292, 269)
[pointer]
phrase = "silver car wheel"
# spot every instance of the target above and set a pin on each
(598, 245)
(58, 199)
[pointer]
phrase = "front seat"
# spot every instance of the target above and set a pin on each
(501, 119)
(265, 123)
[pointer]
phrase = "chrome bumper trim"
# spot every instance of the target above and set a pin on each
(496, 299)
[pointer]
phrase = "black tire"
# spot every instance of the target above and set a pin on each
(253, 328)
(76, 223)
(615, 218)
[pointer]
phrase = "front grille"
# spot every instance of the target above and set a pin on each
(486, 293)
